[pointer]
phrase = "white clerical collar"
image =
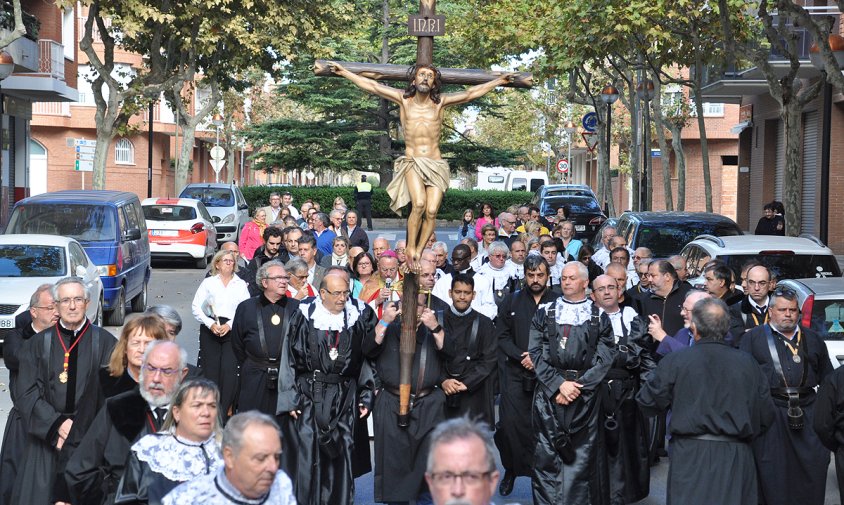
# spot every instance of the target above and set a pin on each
(77, 330)
(757, 306)
(563, 298)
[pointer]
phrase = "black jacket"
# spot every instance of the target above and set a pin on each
(668, 308)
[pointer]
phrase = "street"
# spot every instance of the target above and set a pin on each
(175, 283)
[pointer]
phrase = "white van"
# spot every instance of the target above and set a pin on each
(492, 177)
(521, 180)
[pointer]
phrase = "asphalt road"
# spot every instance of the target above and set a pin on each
(175, 283)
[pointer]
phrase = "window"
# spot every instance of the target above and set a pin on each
(709, 109)
(68, 33)
(124, 152)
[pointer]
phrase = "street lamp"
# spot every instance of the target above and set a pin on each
(218, 122)
(571, 129)
(609, 95)
(645, 92)
(836, 44)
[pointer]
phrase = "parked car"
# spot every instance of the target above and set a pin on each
(787, 257)
(821, 303)
(584, 208)
(225, 203)
(111, 228)
(180, 228)
(28, 261)
(666, 233)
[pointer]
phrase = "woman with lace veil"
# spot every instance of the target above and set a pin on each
(187, 446)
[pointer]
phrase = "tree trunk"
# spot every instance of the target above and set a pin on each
(185, 155)
(679, 164)
(792, 119)
(701, 123)
(632, 103)
(104, 136)
(665, 153)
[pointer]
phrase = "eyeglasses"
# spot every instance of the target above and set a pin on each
(337, 294)
(279, 278)
(76, 299)
(301, 277)
(45, 307)
(759, 284)
(400, 250)
(166, 371)
(226, 261)
(446, 479)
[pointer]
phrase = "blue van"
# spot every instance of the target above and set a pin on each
(110, 226)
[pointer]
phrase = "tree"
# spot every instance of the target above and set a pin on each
(18, 30)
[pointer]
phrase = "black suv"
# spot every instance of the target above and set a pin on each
(584, 208)
(666, 233)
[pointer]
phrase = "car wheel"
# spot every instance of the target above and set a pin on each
(202, 262)
(116, 316)
(98, 319)
(139, 303)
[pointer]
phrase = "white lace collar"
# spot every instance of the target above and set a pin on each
(177, 459)
(324, 320)
(573, 313)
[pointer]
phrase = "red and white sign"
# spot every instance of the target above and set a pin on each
(563, 166)
(591, 139)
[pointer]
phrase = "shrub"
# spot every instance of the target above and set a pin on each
(453, 205)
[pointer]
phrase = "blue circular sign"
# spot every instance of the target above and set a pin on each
(590, 122)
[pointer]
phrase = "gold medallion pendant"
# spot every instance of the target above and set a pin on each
(333, 353)
(63, 377)
(275, 320)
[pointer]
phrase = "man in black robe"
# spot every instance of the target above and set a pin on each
(401, 452)
(42, 314)
(572, 348)
(829, 423)
(95, 469)
(468, 387)
(752, 309)
(514, 436)
(259, 331)
(790, 458)
(719, 403)
(59, 367)
(625, 431)
(324, 383)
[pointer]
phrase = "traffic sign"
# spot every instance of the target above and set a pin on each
(563, 166)
(217, 165)
(85, 142)
(591, 139)
(218, 153)
(590, 121)
(84, 166)
(85, 149)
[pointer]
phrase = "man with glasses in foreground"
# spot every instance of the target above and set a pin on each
(261, 324)
(324, 384)
(60, 369)
(791, 461)
(752, 309)
(461, 463)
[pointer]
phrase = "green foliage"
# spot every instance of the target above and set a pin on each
(454, 203)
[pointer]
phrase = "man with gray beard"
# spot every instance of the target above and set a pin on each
(95, 468)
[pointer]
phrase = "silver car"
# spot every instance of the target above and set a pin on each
(821, 303)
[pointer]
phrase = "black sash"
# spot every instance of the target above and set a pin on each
(263, 338)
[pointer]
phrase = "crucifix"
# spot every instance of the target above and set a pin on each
(421, 176)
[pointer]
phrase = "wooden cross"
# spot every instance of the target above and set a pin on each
(425, 26)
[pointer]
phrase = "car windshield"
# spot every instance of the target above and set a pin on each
(211, 197)
(85, 223)
(32, 261)
(577, 205)
(828, 318)
(169, 213)
(789, 266)
(666, 240)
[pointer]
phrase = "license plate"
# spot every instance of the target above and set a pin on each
(165, 233)
(7, 322)
(580, 227)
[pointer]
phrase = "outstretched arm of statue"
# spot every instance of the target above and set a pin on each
(478, 91)
(366, 83)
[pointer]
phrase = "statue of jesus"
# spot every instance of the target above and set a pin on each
(421, 176)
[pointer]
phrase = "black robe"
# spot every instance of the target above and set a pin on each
(554, 480)
(257, 389)
(319, 443)
(474, 366)
(829, 421)
(46, 403)
(711, 389)
(401, 453)
(792, 464)
(744, 317)
(514, 437)
(95, 469)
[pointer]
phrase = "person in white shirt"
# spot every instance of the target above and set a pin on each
(518, 254)
(548, 249)
(601, 257)
(496, 272)
(214, 306)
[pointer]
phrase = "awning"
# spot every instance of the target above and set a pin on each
(741, 126)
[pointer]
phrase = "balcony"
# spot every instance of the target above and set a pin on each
(24, 51)
(51, 59)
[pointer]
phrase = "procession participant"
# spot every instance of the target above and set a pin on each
(441, 250)
(514, 436)
(585, 256)
(518, 253)
(41, 315)
(325, 383)
(569, 244)
(683, 338)
(791, 461)
(298, 287)
(339, 255)
(829, 423)
(269, 251)
(186, 447)
(572, 348)
(124, 365)
(250, 473)
(59, 370)
(383, 286)
(462, 449)
(379, 245)
(260, 328)
(752, 310)
(665, 298)
(502, 279)
(307, 251)
(363, 268)
(625, 459)
(507, 228)
(548, 250)
(619, 273)
(719, 283)
(470, 374)
(709, 429)
(400, 249)
(400, 452)
(601, 257)
(679, 264)
(291, 236)
(242, 263)
(96, 467)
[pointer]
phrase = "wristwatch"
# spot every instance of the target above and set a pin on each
(437, 329)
